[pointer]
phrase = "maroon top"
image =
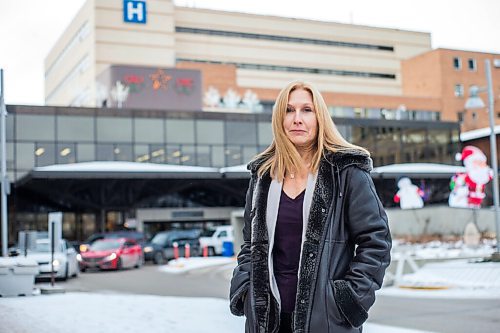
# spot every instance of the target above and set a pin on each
(286, 250)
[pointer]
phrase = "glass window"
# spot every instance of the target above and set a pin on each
(424, 115)
(122, 152)
(343, 112)
(249, 153)
(114, 129)
(234, 155)
(45, 154)
(218, 157)
(66, 153)
(173, 154)
(157, 153)
(141, 153)
(457, 63)
(105, 152)
(9, 128)
(69, 225)
(25, 156)
(265, 133)
(203, 155)
(188, 156)
(210, 131)
(459, 90)
(180, 131)
(241, 132)
(359, 113)
(377, 113)
(345, 131)
(472, 64)
(85, 152)
(148, 130)
(75, 128)
(34, 127)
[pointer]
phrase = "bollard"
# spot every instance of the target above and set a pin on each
(176, 250)
(205, 251)
(187, 251)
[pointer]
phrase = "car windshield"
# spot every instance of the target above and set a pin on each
(160, 239)
(208, 233)
(43, 245)
(168, 237)
(105, 245)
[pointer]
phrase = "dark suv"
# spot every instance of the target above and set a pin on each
(161, 247)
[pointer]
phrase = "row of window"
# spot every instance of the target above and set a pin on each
(25, 127)
(387, 144)
(323, 71)
(288, 39)
(78, 38)
(471, 63)
(70, 79)
(401, 113)
(459, 89)
(39, 154)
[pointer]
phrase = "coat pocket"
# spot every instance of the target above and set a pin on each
(333, 312)
(240, 284)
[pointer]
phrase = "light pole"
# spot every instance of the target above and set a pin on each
(475, 102)
(3, 189)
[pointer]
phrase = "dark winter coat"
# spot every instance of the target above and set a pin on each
(345, 252)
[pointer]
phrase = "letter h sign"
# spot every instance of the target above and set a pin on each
(134, 11)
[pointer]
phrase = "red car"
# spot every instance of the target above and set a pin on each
(112, 253)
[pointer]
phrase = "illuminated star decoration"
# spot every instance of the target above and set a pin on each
(160, 79)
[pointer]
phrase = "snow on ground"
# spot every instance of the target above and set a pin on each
(442, 250)
(182, 265)
(450, 293)
(108, 313)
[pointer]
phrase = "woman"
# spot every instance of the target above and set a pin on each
(316, 238)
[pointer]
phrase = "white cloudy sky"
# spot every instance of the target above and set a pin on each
(29, 28)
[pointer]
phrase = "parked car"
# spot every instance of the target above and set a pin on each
(139, 237)
(161, 247)
(214, 237)
(111, 253)
(65, 261)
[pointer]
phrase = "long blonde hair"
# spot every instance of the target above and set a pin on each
(282, 155)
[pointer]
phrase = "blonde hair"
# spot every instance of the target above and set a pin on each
(282, 155)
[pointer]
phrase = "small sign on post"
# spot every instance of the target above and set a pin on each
(55, 236)
(55, 221)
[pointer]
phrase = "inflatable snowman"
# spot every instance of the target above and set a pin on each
(409, 196)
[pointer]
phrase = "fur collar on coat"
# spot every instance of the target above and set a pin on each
(266, 308)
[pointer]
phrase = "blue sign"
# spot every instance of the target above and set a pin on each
(134, 11)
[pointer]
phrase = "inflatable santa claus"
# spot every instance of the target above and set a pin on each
(473, 181)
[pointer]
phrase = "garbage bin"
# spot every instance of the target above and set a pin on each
(227, 249)
(17, 276)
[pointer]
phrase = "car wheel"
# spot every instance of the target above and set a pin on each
(83, 269)
(211, 251)
(139, 262)
(158, 258)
